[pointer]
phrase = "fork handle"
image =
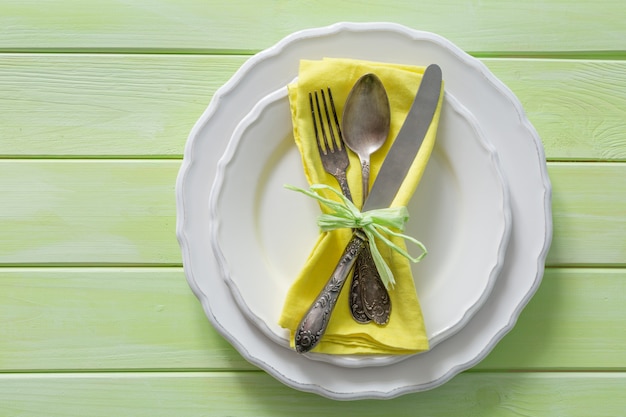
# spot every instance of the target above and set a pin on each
(341, 178)
(314, 323)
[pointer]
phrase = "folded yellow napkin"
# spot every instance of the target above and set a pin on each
(405, 333)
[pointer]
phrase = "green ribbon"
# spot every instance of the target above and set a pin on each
(378, 223)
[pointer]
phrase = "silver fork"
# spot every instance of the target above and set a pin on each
(335, 161)
(333, 154)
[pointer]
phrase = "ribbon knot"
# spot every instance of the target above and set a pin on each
(363, 222)
(375, 224)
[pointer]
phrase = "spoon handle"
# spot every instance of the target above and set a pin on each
(365, 177)
(369, 299)
(374, 303)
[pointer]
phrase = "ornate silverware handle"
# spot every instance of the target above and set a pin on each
(374, 299)
(313, 325)
(342, 179)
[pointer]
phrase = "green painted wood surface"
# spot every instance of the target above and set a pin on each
(586, 199)
(56, 212)
(94, 105)
(96, 102)
(94, 212)
(105, 105)
(75, 319)
(486, 26)
(106, 318)
(257, 394)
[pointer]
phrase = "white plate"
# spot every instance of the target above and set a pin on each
(263, 234)
(501, 118)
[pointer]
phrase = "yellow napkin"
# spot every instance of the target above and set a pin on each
(405, 333)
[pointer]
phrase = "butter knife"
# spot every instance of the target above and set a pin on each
(394, 169)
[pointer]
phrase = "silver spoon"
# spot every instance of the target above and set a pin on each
(365, 125)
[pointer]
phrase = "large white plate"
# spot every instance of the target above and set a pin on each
(262, 233)
(505, 125)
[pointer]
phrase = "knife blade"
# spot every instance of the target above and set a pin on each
(386, 185)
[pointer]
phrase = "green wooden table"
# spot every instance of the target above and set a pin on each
(96, 102)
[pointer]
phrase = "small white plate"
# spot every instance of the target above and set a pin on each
(263, 233)
(501, 118)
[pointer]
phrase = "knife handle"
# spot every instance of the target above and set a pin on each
(314, 323)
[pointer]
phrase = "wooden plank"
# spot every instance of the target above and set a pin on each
(147, 319)
(193, 25)
(95, 212)
(76, 105)
(575, 321)
(257, 394)
(586, 199)
(106, 318)
(104, 105)
(122, 212)
(577, 107)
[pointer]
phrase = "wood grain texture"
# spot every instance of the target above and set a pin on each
(220, 26)
(578, 107)
(106, 318)
(586, 197)
(104, 105)
(575, 321)
(147, 319)
(122, 212)
(257, 394)
(144, 106)
(95, 212)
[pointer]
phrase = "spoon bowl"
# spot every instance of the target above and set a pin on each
(365, 122)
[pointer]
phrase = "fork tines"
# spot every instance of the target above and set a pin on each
(326, 123)
(333, 153)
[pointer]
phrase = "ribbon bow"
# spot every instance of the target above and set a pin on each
(378, 223)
